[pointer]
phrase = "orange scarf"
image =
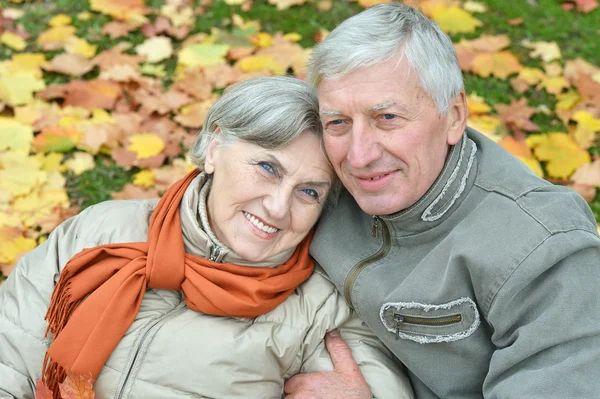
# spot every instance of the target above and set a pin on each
(115, 276)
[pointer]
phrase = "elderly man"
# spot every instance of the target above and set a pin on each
(480, 277)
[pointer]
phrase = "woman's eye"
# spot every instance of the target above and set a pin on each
(267, 166)
(311, 192)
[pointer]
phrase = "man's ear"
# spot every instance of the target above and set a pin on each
(209, 161)
(457, 118)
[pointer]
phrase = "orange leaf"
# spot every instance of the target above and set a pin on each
(42, 391)
(499, 64)
(77, 387)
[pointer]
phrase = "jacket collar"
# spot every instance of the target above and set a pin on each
(198, 237)
(444, 196)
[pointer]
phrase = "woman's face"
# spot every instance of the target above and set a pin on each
(263, 202)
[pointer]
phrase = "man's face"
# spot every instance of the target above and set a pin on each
(384, 135)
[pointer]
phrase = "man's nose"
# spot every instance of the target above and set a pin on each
(365, 147)
(278, 203)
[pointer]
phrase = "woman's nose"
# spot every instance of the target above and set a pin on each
(277, 203)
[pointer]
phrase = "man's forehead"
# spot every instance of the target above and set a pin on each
(368, 107)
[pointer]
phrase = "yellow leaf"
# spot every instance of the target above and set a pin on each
(475, 6)
(585, 118)
(234, 2)
(500, 64)
(260, 62)
(55, 37)
(13, 41)
(155, 49)
(15, 136)
(18, 88)
(477, 105)
(144, 178)
(262, 40)
(77, 45)
(52, 161)
(454, 20)
(20, 181)
(9, 251)
(177, 15)
(560, 151)
(80, 162)
(153, 70)
(28, 63)
(146, 145)
(292, 37)
(547, 51)
(203, 54)
(285, 4)
(123, 10)
(587, 128)
(84, 16)
(486, 124)
(567, 100)
(531, 75)
(60, 20)
(554, 84)
(100, 116)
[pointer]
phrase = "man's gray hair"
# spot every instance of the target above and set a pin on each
(382, 32)
(267, 111)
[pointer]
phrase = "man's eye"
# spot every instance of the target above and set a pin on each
(388, 116)
(267, 166)
(337, 122)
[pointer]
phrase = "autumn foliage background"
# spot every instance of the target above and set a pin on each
(101, 99)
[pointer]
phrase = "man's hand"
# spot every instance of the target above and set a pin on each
(344, 382)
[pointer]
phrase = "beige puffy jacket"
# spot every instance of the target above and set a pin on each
(171, 351)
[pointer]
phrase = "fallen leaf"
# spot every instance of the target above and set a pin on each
(547, 51)
(146, 145)
(454, 20)
(13, 41)
(203, 54)
(131, 191)
(80, 162)
(560, 151)
(285, 4)
(92, 93)
(15, 136)
(76, 386)
(515, 21)
(70, 64)
(500, 65)
(517, 114)
(57, 139)
(123, 10)
(155, 49)
(588, 174)
(77, 45)
(54, 38)
(144, 178)
(18, 88)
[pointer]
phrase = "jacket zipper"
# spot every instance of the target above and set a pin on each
(424, 321)
(214, 253)
(172, 313)
(383, 251)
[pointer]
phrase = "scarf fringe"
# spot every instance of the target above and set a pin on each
(60, 310)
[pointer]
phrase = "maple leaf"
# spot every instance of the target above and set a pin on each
(487, 125)
(554, 84)
(453, 19)
(588, 174)
(560, 151)
(585, 5)
(54, 38)
(500, 64)
(155, 49)
(70, 64)
(144, 178)
(477, 105)
(587, 128)
(77, 45)
(60, 20)
(15, 135)
(123, 10)
(146, 145)
(77, 387)
(517, 114)
(193, 115)
(91, 93)
(42, 391)
(474, 6)
(10, 251)
(80, 162)
(57, 139)
(547, 51)
(527, 77)
(18, 88)
(28, 63)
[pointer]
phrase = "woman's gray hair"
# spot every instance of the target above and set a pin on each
(268, 111)
(382, 32)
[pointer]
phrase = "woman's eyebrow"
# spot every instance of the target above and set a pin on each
(275, 161)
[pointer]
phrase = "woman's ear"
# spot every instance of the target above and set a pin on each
(209, 161)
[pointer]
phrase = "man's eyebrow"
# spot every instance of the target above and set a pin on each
(387, 104)
(330, 113)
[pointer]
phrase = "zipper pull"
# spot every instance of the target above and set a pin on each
(374, 229)
(399, 319)
(214, 253)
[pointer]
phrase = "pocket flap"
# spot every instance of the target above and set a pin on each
(428, 323)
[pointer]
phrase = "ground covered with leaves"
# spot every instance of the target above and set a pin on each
(100, 99)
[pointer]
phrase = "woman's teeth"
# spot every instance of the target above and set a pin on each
(259, 224)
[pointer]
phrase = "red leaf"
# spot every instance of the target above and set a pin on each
(42, 391)
(77, 387)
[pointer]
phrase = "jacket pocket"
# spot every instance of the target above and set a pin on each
(429, 323)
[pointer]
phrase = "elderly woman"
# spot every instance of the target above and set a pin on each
(209, 292)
